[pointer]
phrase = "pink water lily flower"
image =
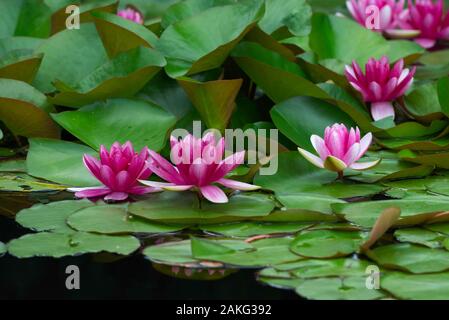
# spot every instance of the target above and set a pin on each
(380, 84)
(429, 19)
(131, 14)
(340, 149)
(118, 171)
(388, 12)
(198, 165)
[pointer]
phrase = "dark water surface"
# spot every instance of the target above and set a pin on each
(129, 278)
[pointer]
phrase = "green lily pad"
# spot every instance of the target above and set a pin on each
(58, 245)
(216, 32)
(438, 227)
(417, 286)
(110, 219)
(68, 46)
(20, 65)
(24, 110)
(326, 243)
(291, 81)
(297, 175)
(318, 268)
(21, 182)
(350, 288)
(51, 217)
(411, 258)
(13, 165)
(65, 165)
(414, 210)
(214, 100)
(263, 252)
(184, 207)
(2, 249)
(289, 284)
(423, 102)
(142, 123)
(120, 77)
(121, 35)
(419, 236)
(443, 94)
(248, 229)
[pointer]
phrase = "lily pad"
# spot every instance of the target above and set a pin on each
(417, 286)
(141, 122)
(2, 249)
(120, 77)
(318, 268)
(216, 33)
(46, 244)
(248, 229)
(21, 182)
(65, 164)
(184, 207)
(326, 243)
(24, 110)
(419, 236)
(110, 219)
(20, 65)
(350, 288)
(411, 258)
(51, 217)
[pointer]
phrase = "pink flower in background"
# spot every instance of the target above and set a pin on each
(131, 14)
(427, 17)
(118, 171)
(198, 165)
(384, 18)
(380, 84)
(340, 149)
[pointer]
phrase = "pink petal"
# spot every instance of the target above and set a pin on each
(381, 110)
(156, 184)
(214, 194)
(123, 181)
(107, 176)
(351, 154)
(313, 159)
(425, 43)
(93, 165)
(93, 192)
(320, 146)
(227, 165)
(178, 188)
(163, 168)
(364, 165)
(116, 196)
(237, 185)
(364, 144)
(139, 190)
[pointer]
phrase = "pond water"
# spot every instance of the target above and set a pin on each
(129, 278)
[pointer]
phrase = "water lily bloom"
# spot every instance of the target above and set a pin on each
(388, 12)
(380, 85)
(429, 19)
(340, 149)
(118, 171)
(131, 14)
(198, 165)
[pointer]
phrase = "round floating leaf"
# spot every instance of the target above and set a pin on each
(419, 236)
(10, 182)
(81, 52)
(185, 207)
(58, 245)
(24, 110)
(281, 283)
(141, 122)
(288, 117)
(291, 81)
(20, 65)
(214, 100)
(410, 257)
(417, 286)
(60, 161)
(297, 175)
(186, 9)
(264, 252)
(439, 159)
(318, 268)
(326, 243)
(293, 14)
(14, 165)
(443, 94)
(52, 216)
(111, 219)
(423, 102)
(58, 19)
(438, 227)
(120, 77)
(413, 210)
(121, 35)
(385, 221)
(351, 288)
(216, 32)
(247, 229)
